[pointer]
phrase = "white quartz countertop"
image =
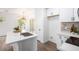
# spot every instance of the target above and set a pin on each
(66, 33)
(68, 47)
(16, 37)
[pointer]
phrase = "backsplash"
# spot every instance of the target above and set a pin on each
(66, 26)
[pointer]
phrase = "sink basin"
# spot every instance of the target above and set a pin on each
(26, 34)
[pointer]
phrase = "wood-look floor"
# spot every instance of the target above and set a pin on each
(48, 46)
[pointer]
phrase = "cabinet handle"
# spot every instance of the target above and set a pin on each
(78, 12)
(65, 37)
(39, 29)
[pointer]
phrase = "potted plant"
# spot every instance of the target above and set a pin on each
(21, 22)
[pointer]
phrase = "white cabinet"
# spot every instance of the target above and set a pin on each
(66, 14)
(62, 39)
(75, 14)
(52, 11)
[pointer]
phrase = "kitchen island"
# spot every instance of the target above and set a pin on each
(22, 41)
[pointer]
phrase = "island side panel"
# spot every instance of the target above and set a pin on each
(28, 44)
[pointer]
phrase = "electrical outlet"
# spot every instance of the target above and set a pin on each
(51, 37)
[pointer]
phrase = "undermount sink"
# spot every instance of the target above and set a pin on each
(26, 34)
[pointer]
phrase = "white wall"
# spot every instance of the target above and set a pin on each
(39, 24)
(11, 15)
(42, 25)
(46, 26)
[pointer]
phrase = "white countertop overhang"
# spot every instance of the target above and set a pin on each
(16, 37)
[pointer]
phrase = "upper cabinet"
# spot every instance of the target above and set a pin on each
(76, 14)
(69, 14)
(51, 12)
(66, 14)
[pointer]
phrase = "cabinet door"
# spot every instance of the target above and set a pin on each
(66, 14)
(52, 11)
(76, 14)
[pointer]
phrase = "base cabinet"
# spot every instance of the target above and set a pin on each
(62, 39)
(25, 45)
